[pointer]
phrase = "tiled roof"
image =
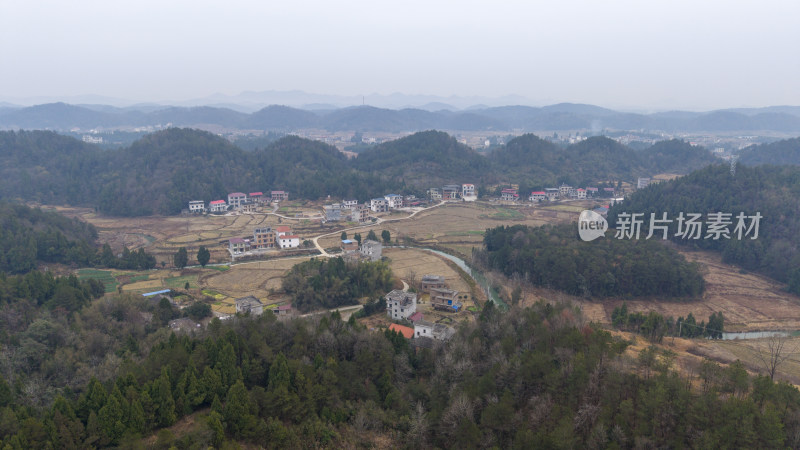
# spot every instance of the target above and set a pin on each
(407, 332)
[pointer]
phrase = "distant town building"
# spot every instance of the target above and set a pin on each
(349, 204)
(642, 183)
(434, 194)
(552, 194)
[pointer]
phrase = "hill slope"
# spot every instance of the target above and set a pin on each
(769, 191)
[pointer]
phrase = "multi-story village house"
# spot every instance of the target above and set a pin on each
(235, 199)
(400, 304)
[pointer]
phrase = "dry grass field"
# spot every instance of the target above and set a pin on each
(748, 301)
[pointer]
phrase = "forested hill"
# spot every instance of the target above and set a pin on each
(782, 152)
(431, 157)
(535, 162)
(163, 171)
(769, 190)
(29, 235)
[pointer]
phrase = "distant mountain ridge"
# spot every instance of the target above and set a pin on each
(558, 117)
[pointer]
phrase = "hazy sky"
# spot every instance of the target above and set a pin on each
(648, 54)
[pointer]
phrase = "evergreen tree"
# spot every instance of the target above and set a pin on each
(203, 255)
(181, 258)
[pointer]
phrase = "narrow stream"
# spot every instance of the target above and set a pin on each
(476, 275)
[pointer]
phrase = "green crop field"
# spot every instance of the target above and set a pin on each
(180, 282)
(104, 276)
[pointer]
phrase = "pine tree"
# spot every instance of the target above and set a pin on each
(203, 255)
(181, 258)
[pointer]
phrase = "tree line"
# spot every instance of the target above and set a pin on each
(554, 257)
(29, 236)
(655, 326)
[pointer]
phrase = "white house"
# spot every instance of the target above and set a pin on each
(400, 305)
(434, 194)
(565, 191)
(552, 194)
(197, 206)
(235, 199)
(509, 195)
(349, 204)
(537, 196)
(282, 230)
(218, 206)
(289, 241)
(467, 190)
(580, 192)
(378, 205)
(394, 200)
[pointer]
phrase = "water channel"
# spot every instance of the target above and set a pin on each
(476, 275)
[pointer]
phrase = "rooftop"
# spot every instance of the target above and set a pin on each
(407, 332)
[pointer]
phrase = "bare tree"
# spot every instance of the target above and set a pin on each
(776, 353)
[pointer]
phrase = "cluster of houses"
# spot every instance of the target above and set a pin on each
(347, 210)
(350, 209)
(238, 201)
(465, 192)
(402, 305)
(280, 237)
(559, 193)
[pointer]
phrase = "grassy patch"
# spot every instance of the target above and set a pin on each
(214, 294)
(104, 276)
(465, 233)
(507, 214)
(219, 268)
(139, 278)
(180, 282)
